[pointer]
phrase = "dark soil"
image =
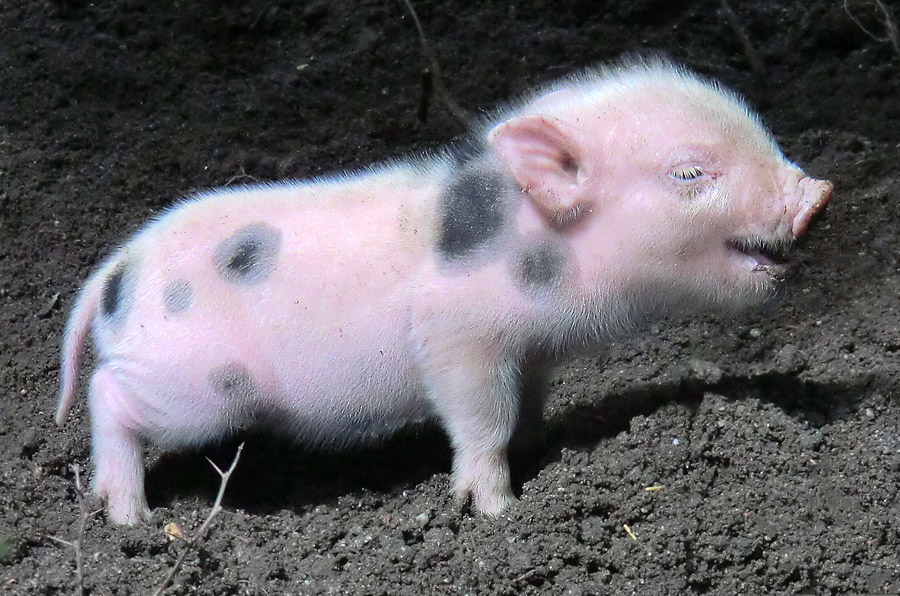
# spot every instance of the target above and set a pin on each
(774, 437)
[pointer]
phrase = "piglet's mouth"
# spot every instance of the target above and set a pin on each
(763, 255)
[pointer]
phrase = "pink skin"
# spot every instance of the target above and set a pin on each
(646, 190)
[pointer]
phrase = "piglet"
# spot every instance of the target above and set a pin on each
(342, 308)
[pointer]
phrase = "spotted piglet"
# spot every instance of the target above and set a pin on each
(340, 309)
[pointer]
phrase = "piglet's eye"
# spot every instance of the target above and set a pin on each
(687, 173)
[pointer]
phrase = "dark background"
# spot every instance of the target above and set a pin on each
(775, 436)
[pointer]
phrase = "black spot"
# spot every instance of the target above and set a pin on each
(471, 213)
(112, 290)
(249, 255)
(233, 382)
(540, 265)
(178, 296)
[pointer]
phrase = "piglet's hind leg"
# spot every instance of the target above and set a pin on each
(117, 451)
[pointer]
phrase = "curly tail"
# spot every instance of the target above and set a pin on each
(73, 341)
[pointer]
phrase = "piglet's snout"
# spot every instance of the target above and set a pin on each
(813, 195)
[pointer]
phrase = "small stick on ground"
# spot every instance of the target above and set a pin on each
(201, 533)
(890, 25)
(78, 543)
(756, 63)
(435, 72)
(243, 175)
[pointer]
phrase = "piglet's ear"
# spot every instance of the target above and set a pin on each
(543, 154)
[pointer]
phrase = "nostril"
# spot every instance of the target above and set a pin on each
(827, 189)
(815, 218)
(816, 194)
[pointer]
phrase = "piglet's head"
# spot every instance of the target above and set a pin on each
(661, 184)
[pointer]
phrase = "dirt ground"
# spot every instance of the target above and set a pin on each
(775, 436)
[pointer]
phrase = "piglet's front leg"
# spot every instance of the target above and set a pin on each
(476, 400)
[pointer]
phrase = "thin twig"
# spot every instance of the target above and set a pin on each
(756, 63)
(78, 543)
(198, 536)
(526, 575)
(452, 107)
(890, 25)
(240, 176)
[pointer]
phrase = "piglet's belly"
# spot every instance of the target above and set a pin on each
(175, 404)
(188, 381)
